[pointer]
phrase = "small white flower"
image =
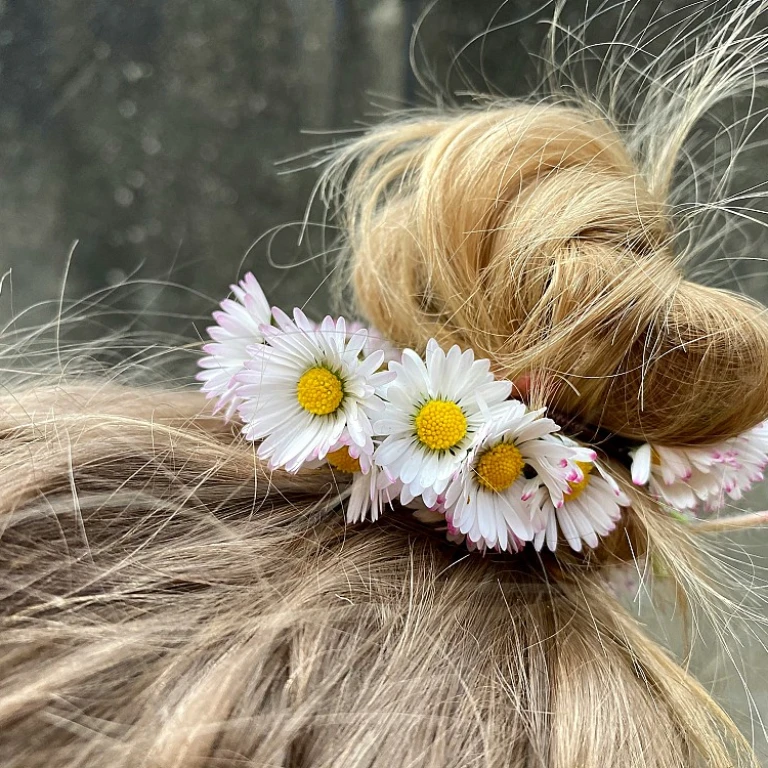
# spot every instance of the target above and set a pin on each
(238, 327)
(371, 487)
(305, 387)
(489, 498)
(433, 411)
(590, 509)
(690, 477)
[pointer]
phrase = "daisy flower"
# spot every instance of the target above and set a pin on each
(433, 411)
(305, 387)
(689, 477)
(489, 498)
(371, 487)
(589, 509)
(238, 326)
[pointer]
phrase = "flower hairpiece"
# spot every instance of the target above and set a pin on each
(440, 434)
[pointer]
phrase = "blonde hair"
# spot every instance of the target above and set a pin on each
(169, 602)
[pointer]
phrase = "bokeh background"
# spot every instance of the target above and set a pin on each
(169, 140)
(159, 134)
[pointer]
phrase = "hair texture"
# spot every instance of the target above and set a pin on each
(169, 602)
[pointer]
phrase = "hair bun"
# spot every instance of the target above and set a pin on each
(529, 234)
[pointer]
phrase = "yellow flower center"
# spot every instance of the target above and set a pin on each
(655, 458)
(499, 467)
(319, 391)
(440, 424)
(576, 489)
(341, 460)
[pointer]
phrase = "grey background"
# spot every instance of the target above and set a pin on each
(155, 133)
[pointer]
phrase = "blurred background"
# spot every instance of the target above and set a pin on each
(166, 137)
(158, 134)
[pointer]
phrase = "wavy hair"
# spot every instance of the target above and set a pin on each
(169, 602)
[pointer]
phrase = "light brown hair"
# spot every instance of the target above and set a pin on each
(167, 601)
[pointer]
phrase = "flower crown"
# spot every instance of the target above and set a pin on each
(439, 434)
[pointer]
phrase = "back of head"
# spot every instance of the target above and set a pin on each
(169, 601)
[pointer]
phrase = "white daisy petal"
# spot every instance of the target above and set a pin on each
(641, 464)
(413, 370)
(536, 429)
(567, 526)
(390, 450)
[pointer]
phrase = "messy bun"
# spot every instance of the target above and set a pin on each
(529, 233)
